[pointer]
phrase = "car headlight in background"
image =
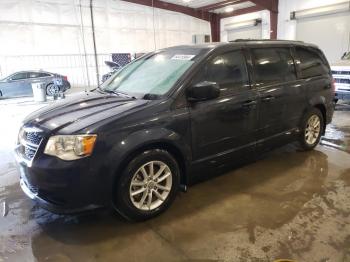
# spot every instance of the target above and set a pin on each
(70, 147)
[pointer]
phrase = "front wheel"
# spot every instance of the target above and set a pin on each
(312, 129)
(147, 186)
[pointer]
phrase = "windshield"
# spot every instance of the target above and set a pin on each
(152, 75)
(346, 56)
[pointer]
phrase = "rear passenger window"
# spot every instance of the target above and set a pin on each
(19, 76)
(310, 63)
(33, 74)
(228, 70)
(273, 65)
(43, 75)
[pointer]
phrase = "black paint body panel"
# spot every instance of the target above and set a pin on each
(203, 135)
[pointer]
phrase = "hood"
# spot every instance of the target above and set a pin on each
(81, 111)
(341, 63)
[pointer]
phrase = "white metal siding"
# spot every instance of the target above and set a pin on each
(253, 32)
(330, 32)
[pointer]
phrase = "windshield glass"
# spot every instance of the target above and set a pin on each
(346, 56)
(153, 75)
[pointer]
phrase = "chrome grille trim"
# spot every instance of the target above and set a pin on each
(25, 143)
(29, 140)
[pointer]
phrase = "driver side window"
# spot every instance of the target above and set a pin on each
(228, 70)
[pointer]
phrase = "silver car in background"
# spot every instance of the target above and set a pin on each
(20, 83)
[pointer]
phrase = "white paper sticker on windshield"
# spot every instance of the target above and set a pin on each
(182, 57)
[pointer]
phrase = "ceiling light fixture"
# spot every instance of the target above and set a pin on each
(229, 9)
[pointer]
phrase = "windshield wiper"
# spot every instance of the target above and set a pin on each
(99, 89)
(119, 93)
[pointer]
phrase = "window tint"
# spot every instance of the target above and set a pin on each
(273, 65)
(310, 63)
(19, 76)
(228, 70)
(33, 74)
(43, 75)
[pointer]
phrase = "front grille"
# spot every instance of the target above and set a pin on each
(29, 139)
(34, 137)
(338, 72)
(29, 153)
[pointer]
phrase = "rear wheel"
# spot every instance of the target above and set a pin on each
(147, 186)
(52, 89)
(312, 129)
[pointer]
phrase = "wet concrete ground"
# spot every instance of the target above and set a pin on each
(290, 204)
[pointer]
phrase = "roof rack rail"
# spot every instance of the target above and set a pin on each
(263, 40)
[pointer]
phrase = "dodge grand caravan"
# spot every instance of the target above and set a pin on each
(153, 127)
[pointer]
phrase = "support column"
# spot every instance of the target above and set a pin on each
(273, 24)
(215, 27)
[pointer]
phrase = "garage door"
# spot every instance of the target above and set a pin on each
(253, 32)
(330, 32)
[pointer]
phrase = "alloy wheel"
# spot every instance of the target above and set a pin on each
(150, 185)
(52, 90)
(312, 130)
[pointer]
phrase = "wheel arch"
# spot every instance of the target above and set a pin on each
(163, 145)
(46, 86)
(322, 108)
(49, 83)
(319, 102)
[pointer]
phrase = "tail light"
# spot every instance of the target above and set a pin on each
(65, 78)
(333, 85)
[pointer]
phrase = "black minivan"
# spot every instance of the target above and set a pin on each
(156, 125)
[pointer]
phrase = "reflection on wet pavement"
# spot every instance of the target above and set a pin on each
(338, 132)
(290, 204)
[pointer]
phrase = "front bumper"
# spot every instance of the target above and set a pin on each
(61, 187)
(65, 86)
(50, 206)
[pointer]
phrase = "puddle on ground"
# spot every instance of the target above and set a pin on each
(337, 137)
(278, 207)
(289, 204)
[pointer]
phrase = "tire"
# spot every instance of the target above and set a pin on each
(147, 203)
(311, 129)
(51, 89)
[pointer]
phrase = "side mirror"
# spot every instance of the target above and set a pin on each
(203, 91)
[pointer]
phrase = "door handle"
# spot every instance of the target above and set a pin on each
(249, 103)
(268, 98)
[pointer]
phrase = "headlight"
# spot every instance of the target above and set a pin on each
(70, 147)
